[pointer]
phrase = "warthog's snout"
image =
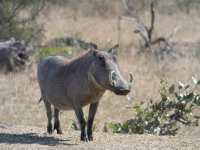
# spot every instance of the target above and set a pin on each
(119, 85)
(122, 91)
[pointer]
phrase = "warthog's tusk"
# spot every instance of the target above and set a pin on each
(110, 78)
(131, 77)
(128, 98)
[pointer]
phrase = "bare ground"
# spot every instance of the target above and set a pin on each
(24, 137)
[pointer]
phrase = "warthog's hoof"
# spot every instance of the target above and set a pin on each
(89, 133)
(84, 136)
(90, 138)
(49, 129)
(84, 139)
(57, 128)
(59, 131)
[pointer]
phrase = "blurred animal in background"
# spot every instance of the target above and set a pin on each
(14, 55)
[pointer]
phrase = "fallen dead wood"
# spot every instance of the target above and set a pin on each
(14, 55)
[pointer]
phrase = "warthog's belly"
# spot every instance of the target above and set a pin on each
(67, 104)
(64, 107)
(60, 104)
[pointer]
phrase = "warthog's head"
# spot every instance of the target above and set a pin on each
(105, 73)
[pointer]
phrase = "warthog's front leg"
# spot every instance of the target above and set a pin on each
(92, 113)
(57, 121)
(82, 122)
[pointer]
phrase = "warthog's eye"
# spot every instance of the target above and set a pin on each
(100, 57)
(102, 60)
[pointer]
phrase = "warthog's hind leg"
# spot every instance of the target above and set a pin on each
(82, 122)
(92, 113)
(49, 117)
(57, 121)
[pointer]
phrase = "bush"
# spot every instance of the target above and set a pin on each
(163, 117)
(67, 46)
(72, 42)
(52, 51)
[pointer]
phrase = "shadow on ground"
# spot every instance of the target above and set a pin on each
(31, 138)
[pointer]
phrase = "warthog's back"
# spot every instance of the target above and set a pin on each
(48, 66)
(51, 81)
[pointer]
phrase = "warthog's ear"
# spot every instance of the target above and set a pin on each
(94, 53)
(92, 47)
(114, 50)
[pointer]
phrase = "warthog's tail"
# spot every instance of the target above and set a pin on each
(40, 100)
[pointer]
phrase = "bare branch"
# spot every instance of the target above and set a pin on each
(140, 28)
(171, 35)
(150, 30)
(125, 4)
(119, 29)
(158, 40)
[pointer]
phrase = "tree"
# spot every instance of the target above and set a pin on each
(18, 20)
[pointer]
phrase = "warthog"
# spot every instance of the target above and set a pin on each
(73, 84)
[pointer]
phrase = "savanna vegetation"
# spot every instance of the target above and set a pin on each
(160, 45)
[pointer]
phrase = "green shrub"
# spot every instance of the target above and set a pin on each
(52, 51)
(163, 117)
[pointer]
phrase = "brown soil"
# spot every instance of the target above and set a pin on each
(24, 137)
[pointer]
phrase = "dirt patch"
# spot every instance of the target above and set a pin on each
(24, 137)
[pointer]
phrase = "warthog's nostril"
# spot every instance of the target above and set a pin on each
(127, 88)
(123, 91)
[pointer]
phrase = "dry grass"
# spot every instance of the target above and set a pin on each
(104, 30)
(19, 93)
